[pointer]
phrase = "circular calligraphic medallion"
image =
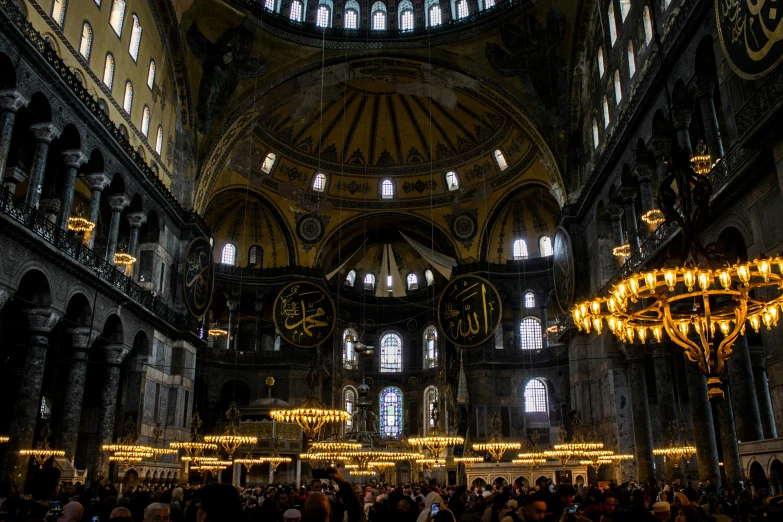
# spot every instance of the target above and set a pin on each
(309, 229)
(198, 277)
(751, 35)
(469, 311)
(464, 227)
(563, 270)
(304, 314)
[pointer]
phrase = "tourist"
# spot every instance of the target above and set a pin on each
(72, 512)
(662, 511)
(688, 513)
(219, 503)
(121, 514)
(458, 502)
(292, 515)
(603, 512)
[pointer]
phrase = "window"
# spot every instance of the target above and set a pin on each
(391, 412)
(389, 282)
(625, 8)
(535, 396)
(351, 19)
(255, 255)
(600, 62)
(229, 254)
(159, 141)
(127, 100)
(430, 347)
(631, 60)
(369, 281)
(391, 353)
(378, 16)
(268, 163)
(349, 401)
(545, 246)
(319, 182)
(108, 71)
(530, 300)
(500, 159)
(520, 249)
(430, 403)
(618, 91)
(349, 356)
(413, 282)
(117, 16)
(145, 121)
(530, 334)
(58, 11)
(452, 182)
(612, 26)
(269, 5)
(648, 28)
(406, 20)
(151, 75)
(595, 134)
(350, 279)
(429, 277)
(46, 408)
(605, 104)
(278, 342)
(435, 17)
(85, 44)
(387, 189)
(295, 13)
(462, 9)
(323, 16)
(135, 39)
(488, 4)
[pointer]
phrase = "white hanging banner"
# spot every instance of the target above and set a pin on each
(381, 286)
(440, 262)
(339, 268)
(398, 285)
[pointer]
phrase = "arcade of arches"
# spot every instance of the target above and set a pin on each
(379, 151)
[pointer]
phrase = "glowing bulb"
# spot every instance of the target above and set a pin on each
(586, 324)
(724, 327)
(764, 268)
(595, 307)
(611, 304)
(743, 273)
(755, 322)
(656, 330)
(689, 278)
(683, 326)
(597, 324)
(725, 279)
(633, 286)
(773, 312)
(577, 316)
(612, 325)
(583, 309)
(650, 280)
(642, 332)
(670, 276)
(705, 280)
(622, 291)
(767, 318)
(629, 333)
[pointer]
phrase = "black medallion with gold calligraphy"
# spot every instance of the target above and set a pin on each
(198, 276)
(751, 35)
(304, 314)
(563, 270)
(469, 311)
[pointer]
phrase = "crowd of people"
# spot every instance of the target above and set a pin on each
(337, 500)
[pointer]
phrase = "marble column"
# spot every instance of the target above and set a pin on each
(259, 309)
(118, 203)
(233, 308)
(68, 432)
(73, 160)
(664, 388)
(516, 309)
(746, 404)
(616, 215)
(544, 320)
(628, 193)
(762, 393)
(644, 173)
(640, 413)
(704, 87)
(97, 182)
(661, 146)
(40, 321)
(682, 119)
(11, 101)
(703, 426)
(114, 355)
(44, 134)
(298, 472)
(728, 439)
(136, 220)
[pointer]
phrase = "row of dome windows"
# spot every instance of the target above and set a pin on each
(411, 280)
(117, 22)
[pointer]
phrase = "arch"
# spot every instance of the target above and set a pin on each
(535, 397)
(391, 412)
(228, 255)
(631, 60)
(349, 355)
(387, 189)
(430, 343)
(349, 402)
(500, 482)
(113, 331)
(757, 476)
(459, 9)
(350, 279)
(159, 141)
(127, 99)
(405, 16)
(521, 482)
(478, 482)
(255, 255)
(732, 244)
(452, 181)
(500, 159)
(8, 79)
(296, 11)
(323, 15)
(141, 344)
(412, 281)
(579, 479)
(351, 16)
(530, 299)
(378, 16)
(433, 13)
(151, 74)
(135, 38)
(319, 182)
(545, 246)
(234, 390)
(85, 42)
(520, 249)
(391, 353)
(117, 16)
(145, 121)
(108, 70)
(78, 312)
(530, 334)
(34, 287)
(269, 162)
(369, 281)
(430, 403)
(58, 11)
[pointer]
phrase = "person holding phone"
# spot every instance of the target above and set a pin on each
(317, 507)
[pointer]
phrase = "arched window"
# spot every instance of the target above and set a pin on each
(85, 44)
(349, 355)
(387, 189)
(117, 16)
(229, 254)
(535, 396)
(391, 353)
(159, 141)
(520, 249)
(489, 4)
(452, 182)
(391, 412)
(145, 121)
(413, 281)
(255, 255)
(108, 71)
(429, 277)
(151, 75)
(545, 246)
(430, 403)
(625, 8)
(595, 134)
(350, 279)
(323, 16)
(601, 66)
(500, 159)
(378, 16)
(406, 20)
(369, 281)
(530, 300)
(631, 60)
(127, 100)
(58, 11)
(430, 347)
(530, 334)
(296, 11)
(618, 90)
(434, 15)
(319, 182)
(351, 15)
(648, 28)
(605, 105)
(462, 9)
(135, 39)
(389, 282)
(269, 5)
(612, 26)
(268, 163)
(349, 401)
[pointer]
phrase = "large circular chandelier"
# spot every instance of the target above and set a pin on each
(700, 302)
(231, 439)
(676, 450)
(435, 441)
(496, 446)
(128, 451)
(195, 445)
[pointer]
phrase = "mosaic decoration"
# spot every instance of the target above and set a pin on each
(310, 229)
(750, 35)
(420, 186)
(198, 278)
(304, 314)
(469, 311)
(464, 227)
(563, 270)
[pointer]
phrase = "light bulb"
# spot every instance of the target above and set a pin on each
(612, 322)
(689, 278)
(657, 331)
(755, 322)
(577, 316)
(597, 324)
(683, 326)
(586, 324)
(629, 333)
(767, 318)
(622, 291)
(743, 273)
(650, 280)
(611, 304)
(764, 267)
(705, 280)
(633, 286)
(724, 327)
(583, 309)
(773, 312)
(642, 332)
(724, 276)
(595, 307)
(670, 276)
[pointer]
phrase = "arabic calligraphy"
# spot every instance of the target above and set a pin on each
(749, 33)
(469, 310)
(304, 314)
(198, 276)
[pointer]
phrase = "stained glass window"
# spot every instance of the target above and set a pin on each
(387, 189)
(117, 16)
(631, 60)
(530, 300)
(452, 182)
(319, 182)
(108, 71)
(430, 347)
(391, 412)
(545, 246)
(85, 44)
(378, 16)
(535, 396)
(135, 39)
(350, 279)
(145, 121)
(351, 19)
(430, 400)
(229, 254)
(520, 249)
(322, 17)
(349, 356)
(648, 28)
(462, 9)
(429, 277)
(349, 402)
(530, 334)
(500, 159)
(391, 353)
(159, 141)
(151, 74)
(58, 11)
(296, 11)
(435, 15)
(127, 101)
(413, 281)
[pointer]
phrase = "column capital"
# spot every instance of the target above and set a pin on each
(137, 219)
(615, 211)
(661, 145)
(233, 306)
(681, 116)
(45, 132)
(14, 175)
(98, 180)
(6, 296)
(703, 86)
(41, 319)
(82, 337)
(118, 202)
(115, 353)
(258, 306)
(627, 192)
(644, 171)
(12, 100)
(74, 158)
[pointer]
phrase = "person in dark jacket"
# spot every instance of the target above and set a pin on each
(318, 509)
(639, 510)
(459, 501)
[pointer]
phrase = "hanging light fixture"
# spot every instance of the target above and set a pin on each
(4, 439)
(701, 162)
(674, 450)
(436, 442)
(128, 451)
(123, 258)
(78, 224)
(43, 452)
(431, 463)
(496, 446)
(275, 459)
(622, 250)
(231, 439)
(157, 447)
(249, 461)
(214, 331)
(195, 446)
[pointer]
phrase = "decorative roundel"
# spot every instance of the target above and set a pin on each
(564, 271)
(369, 324)
(309, 229)
(412, 324)
(750, 35)
(464, 227)
(198, 277)
(304, 314)
(413, 383)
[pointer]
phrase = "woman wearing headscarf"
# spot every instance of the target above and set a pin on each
(72, 512)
